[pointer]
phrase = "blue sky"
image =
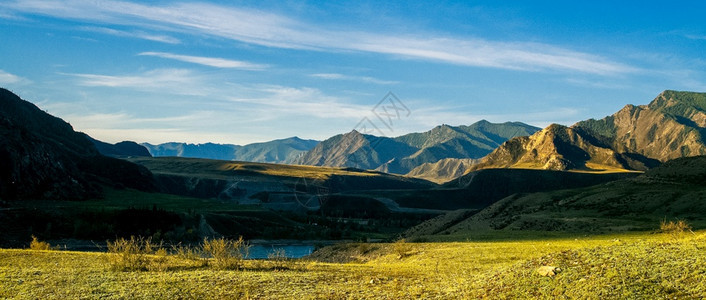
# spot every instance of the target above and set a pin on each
(250, 71)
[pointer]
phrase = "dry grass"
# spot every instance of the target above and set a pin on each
(675, 229)
(619, 266)
(132, 254)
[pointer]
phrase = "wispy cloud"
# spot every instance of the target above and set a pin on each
(336, 76)
(208, 61)
(8, 78)
(136, 34)
(281, 101)
(170, 81)
(149, 79)
(273, 30)
(599, 84)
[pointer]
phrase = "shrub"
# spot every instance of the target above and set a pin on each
(402, 249)
(35, 244)
(675, 229)
(186, 252)
(160, 261)
(225, 254)
(279, 259)
(132, 254)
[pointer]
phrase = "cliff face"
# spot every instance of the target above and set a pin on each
(671, 126)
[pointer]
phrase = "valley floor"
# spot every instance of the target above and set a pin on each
(637, 265)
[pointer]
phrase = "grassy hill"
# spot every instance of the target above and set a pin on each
(245, 180)
(673, 190)
(443, 170)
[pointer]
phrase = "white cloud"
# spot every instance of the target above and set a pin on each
(281, 101)
(165, 135)
(695, 37)
(208, 61)
(336, 76)
(8, 78)
(149, 79)
(272, 30)
(599, 84)
(136, 34)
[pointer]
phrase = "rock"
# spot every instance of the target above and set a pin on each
(548, 271)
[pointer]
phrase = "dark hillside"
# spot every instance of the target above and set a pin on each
(42, 157)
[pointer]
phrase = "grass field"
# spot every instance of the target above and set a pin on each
(637, 265)
(220, 169)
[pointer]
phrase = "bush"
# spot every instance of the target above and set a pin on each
(402, 249)
(160, 261)
(225, 254)
(141, 254)
(188, 252)
(35, 244)
(132, 254)
(675, 229)
(279, 259)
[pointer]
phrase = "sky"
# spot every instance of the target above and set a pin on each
(253, 71)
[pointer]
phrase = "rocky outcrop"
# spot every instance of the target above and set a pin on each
(671, 126)
(634, 138)
(561, 148)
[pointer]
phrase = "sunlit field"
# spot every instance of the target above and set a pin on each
(635, 265)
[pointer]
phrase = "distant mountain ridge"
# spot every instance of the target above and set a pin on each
(121, 149)
(277, 151)
(634, 138)
(402, 154)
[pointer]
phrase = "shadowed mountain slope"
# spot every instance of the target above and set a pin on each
(42, 157)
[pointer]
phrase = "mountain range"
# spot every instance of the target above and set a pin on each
(284, 151)
(401, 155)
(634, 138)
(485, 167)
